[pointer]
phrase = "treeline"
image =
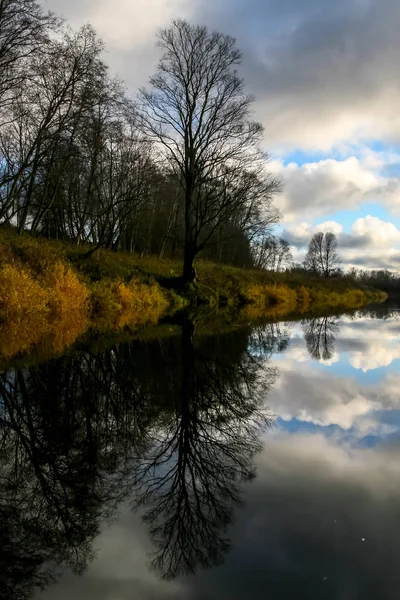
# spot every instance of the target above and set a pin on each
(81, 161)
(382, 279)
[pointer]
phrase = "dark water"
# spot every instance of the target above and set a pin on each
(259, 463)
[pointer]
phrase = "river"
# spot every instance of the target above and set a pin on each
(260, 461)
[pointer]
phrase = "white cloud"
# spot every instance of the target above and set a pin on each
(330, 185)
(374, 357)
(381, 232)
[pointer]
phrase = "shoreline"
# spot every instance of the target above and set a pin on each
(53, 293)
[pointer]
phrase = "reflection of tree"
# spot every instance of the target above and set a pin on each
(320, 335)
(173, 424)
(190, 480)
(270, 338)
(64, 428)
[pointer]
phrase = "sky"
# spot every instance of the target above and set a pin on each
(326, 78)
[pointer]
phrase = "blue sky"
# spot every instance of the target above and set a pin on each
(327, 86)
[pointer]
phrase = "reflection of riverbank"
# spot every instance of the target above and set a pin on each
(171, 426)
(318, 520)
(32, 341)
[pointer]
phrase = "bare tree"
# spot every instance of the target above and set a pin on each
(199, 115)
(322, 257)
(272, 253)
(24, 28)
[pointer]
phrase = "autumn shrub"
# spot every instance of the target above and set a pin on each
(118, 305)
(303, 298)
(23, 310)
(67, 294)
(20, 294)
(35, 254)
(271, 295)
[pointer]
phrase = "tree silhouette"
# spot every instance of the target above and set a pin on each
(322, 257)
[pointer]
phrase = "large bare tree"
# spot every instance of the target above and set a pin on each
(322, 257)
(199, 115)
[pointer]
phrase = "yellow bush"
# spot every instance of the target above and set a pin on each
(271, 295)
(23, 311)
(67, 295)
(117, 305)
(20, 294)
(37, 255)
(303, 298)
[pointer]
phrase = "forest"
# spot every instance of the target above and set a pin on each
(175, 170)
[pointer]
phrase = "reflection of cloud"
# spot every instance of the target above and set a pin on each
(374, 356)
(120, 571)
(303, 523)
(301, 533)
(328, 362)
(368, 343)
(320, 400)
(324, 398)
(299, 353)
(377, 343)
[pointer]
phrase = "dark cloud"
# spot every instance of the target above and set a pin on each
(314, 63)
(319, 68)
(376, 262)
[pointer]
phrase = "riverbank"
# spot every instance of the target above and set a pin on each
(51, 292)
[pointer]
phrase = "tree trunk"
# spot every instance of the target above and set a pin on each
(189, 252)
(189, 272)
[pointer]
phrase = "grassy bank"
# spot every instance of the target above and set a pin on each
(52, 292)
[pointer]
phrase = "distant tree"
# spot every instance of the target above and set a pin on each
(322, 257)
(199, 116)
(383, 279)
(272, 253)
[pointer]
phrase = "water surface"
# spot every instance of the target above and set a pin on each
(258, 463)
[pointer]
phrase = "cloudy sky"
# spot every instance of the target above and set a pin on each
(326, 76)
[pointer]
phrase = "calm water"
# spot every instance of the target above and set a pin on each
(260, 463)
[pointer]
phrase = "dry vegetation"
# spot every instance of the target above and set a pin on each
(51, 292)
